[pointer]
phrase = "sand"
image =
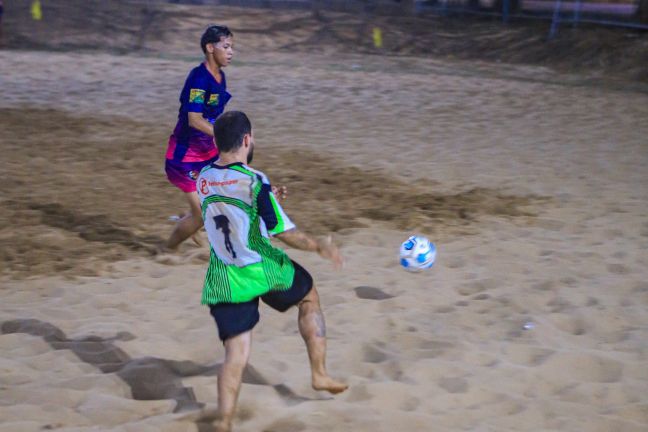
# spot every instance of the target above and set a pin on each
(532, 184)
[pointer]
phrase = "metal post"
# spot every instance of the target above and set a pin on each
(577, 10)
(556, 19)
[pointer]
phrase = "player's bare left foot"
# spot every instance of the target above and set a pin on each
(326, 383)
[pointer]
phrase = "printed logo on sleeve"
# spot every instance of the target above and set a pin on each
(197, 96)
(213, 99)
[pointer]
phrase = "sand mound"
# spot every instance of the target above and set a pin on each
(64, 214)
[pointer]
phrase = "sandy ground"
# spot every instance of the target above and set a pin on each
(532, 183)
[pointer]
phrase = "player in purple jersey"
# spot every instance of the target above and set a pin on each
(191, 146)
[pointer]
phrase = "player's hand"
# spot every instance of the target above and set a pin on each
(281, 192)
(327, 249)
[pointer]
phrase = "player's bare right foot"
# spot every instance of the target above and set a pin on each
(222, 426)
(326, 383)
(163, 248)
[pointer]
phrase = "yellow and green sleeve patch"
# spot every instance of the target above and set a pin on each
(213, 99)
(197, 96)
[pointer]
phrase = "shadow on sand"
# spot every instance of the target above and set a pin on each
(149, 378)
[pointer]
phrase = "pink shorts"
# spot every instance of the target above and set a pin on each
(183, 175)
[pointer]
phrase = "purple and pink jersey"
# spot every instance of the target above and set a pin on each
(189, 149)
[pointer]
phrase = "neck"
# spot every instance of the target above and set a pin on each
(213, 68)
(230, 158)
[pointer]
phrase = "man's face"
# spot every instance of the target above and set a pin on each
(222, 52)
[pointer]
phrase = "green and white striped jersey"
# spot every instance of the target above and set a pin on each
(240, 212)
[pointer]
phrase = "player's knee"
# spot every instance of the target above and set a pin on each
(194, 204)
(311, 301)
(237, 349)
(240, 356)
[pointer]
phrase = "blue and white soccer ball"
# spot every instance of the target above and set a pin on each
(417, 253)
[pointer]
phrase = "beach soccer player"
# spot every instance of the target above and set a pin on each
(191, 146)
(241, 212)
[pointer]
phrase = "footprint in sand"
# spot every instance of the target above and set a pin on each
(372, 354)
(613, 234)
(559, 304)
(411, 404)
(477, 286)
(433, 349)
(592, 301)
(549, 224)
(453, 385)
(641, 291)
(455, 262)
(581, 367)
(286, 425)
(527, 355)
(618, 269)
(168, 259)
(371, 293)
(158, 273)
(547, 285)
(359, 393)
(198, 257)
(570, 324)
(569, 281)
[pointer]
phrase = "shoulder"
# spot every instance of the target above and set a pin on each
(198, 74)
(234, 171)
(259, 175)
(205, 169)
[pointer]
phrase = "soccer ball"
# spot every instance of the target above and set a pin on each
(417, 253)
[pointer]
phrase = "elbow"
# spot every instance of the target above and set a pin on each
(283, 234)
(193, 121)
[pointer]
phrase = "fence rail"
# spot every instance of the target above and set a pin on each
(627, 14)
(567, 12)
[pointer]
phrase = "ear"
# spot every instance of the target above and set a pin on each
(247, 139)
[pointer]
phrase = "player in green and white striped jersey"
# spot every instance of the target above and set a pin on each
(240, 212)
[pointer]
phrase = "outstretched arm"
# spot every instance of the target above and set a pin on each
(323, 246)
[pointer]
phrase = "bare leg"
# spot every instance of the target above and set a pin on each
(237, 353)
(313, 330)
(188, 225)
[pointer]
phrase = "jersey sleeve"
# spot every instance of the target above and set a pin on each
(273, 215)
(197, 85)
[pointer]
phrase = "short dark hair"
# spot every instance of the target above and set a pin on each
(214, 34)
(229, 130)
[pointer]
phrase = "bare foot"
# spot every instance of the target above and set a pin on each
(222, 426)
(328, 384)
(162, 248)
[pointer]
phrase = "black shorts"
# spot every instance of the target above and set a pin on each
(235, 318)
